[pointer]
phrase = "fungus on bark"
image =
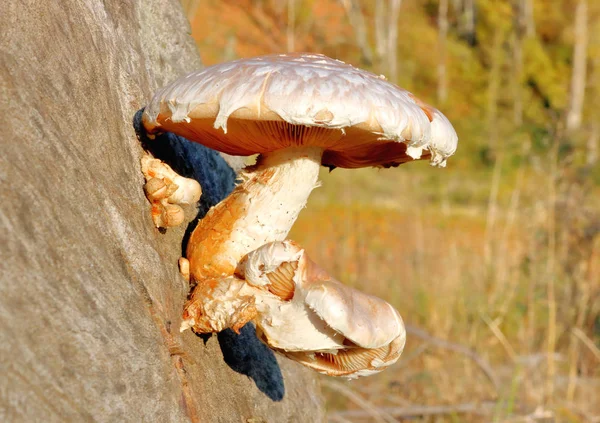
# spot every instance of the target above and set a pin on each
(298, 111)
(302, 312)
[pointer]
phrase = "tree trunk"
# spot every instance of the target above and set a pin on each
(91, 297)
(380, 32)
(593, 141)
(392, 41)
(190, 7)
(520, 31)
(527, 6)
(357, 21)
(291, 26)
(442, 88)
(592, 144)
(578, 75)
(386, 36)
(494, 87)
(517, 79)
(469, 20)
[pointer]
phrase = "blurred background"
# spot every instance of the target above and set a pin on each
(494, 262)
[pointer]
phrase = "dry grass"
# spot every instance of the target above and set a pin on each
(520, 291)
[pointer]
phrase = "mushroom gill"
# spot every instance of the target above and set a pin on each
(351, 362)
(281, 279)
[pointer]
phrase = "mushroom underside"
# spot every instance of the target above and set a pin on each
(351, 362)
(350, 147)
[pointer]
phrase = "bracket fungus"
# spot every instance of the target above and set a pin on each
(298, 111)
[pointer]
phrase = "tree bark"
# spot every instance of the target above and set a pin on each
(380, 32)
(520, 31)
(593, 142)
(494, 87)
(469, 20)
(386, 36)
(528, 17)
(91, 297)
(291, 26)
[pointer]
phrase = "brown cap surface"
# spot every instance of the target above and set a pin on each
(268, 103)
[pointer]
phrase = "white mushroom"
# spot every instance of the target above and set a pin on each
(300, 311)
(298, 111)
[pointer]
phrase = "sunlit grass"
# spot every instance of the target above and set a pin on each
(400, 235)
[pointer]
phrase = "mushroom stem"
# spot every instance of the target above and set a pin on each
(260, 210)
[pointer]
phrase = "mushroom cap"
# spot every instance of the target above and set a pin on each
(267, 103)
(365, 320)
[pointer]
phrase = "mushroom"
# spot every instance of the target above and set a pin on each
(300, 311)
(299, 111)
(165, 190)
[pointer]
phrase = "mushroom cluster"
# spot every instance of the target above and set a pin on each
(298, 111)
(165, 189)
(300, 311)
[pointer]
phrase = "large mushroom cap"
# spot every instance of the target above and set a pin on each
(268, 103)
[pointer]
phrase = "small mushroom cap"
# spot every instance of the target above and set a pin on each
(367, 321)
(267, 103)
(363, 319)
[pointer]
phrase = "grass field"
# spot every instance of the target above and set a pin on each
(502, 315)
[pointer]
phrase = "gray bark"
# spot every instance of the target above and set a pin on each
(380, 30)
(190, 7)
(386, 36)
(90, 295)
